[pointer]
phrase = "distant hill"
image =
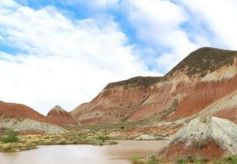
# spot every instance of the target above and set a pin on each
(61, 117)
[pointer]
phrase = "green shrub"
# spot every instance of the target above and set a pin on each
(136, 160)
(181, 161)
(10, 136)
(62, 142)
(152, 160)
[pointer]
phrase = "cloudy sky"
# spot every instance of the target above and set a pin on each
(65, 51)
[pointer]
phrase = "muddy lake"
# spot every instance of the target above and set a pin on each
(121, 153)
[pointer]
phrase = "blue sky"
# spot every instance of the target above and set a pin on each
(64, 52)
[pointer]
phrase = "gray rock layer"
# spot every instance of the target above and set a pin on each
(28, 125)
(200, 130)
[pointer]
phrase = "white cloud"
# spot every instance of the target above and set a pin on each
(158, 23)
(162, 24)
(103, 3)
(7, 4)
(63, 62)
(219, 16)
(94, 4)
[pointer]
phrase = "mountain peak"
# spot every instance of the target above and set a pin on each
(204, 60)
(58, 109)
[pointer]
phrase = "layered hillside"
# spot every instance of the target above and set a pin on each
(192, 88)
(61, 117)
(23, 118)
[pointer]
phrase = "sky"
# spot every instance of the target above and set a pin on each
(65, 52)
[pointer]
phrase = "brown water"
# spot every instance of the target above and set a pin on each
(83, 154)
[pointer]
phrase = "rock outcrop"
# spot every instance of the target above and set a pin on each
(205, 138)
(61, 117)
(203, 78)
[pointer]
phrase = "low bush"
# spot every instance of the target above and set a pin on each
(102, 138)
(10, 136)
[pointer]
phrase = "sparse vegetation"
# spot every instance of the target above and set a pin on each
(27, 142)
(191, 160)
(203, 61)
(136, 81)
(228, 160)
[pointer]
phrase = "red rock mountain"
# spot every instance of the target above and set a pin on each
(204, 82)
(24, 118)
(61, 117)
(20, 112)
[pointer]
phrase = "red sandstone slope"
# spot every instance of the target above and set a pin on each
(201, 79)
(61, 117)
(20, 111)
